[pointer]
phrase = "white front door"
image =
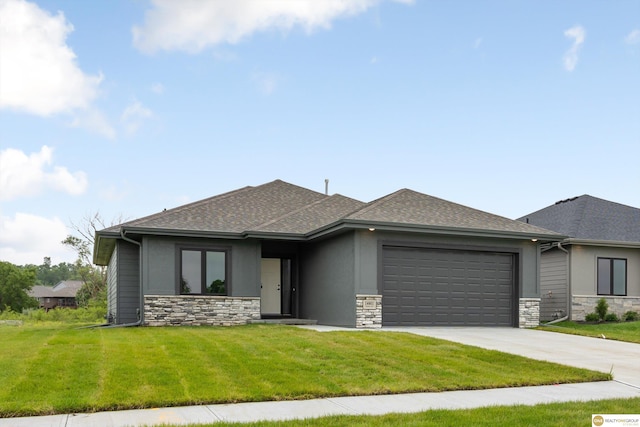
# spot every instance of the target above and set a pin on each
(270, 300)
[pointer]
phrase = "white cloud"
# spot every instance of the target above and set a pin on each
(157, 88)
(133, 116)
(633, 37)
(39, 71)
(193, 25)
(94, 121)
(265, 82)
(23, 176)
(578, 34)
(27, 239)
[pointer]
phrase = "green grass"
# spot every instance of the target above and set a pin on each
(54, 369)
(621, 331)
(569, 414)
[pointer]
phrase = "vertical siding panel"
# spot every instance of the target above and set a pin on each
(553, 285)
(128, 282)
(112, 286)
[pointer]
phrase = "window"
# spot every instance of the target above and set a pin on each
(612, 276)
(203, 271)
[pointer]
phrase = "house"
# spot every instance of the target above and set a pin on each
(280, 250)
(63, 294)
(599, 259)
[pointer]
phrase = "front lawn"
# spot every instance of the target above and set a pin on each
(554, 414)
(54, 369)
(621, 331)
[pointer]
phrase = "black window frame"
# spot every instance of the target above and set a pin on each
(203, 253)
(611, 276)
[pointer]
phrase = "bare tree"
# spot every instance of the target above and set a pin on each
(82, 241)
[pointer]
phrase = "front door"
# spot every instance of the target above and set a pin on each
(270, 294)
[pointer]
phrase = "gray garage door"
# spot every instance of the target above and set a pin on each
(436, 287)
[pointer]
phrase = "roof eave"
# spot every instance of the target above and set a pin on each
(432, 229)
(594, 242)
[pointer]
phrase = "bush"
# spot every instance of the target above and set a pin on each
(631, 316)
(592, 317)
(611, 317)
(601, 308)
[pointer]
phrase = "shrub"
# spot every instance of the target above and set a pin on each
(601, 308)
(631, 316)
(611, 317)
(592, 317)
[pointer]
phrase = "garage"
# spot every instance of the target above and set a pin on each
(447, 287)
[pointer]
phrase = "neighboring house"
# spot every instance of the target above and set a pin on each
(600, 259)
(279, 250)
(63, 294)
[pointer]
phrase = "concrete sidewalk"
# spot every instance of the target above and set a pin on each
(584, 352)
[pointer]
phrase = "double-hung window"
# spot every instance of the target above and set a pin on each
(612, 276)
(203, 271)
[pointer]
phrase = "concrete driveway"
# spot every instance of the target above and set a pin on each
(620, 358)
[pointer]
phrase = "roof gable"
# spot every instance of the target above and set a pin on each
(414, 208)
(590, 218)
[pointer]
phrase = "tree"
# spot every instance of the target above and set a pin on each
(15, 283)
(94, 277)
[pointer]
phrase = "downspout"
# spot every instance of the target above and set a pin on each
(140, 320)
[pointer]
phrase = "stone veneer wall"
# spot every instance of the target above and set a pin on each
(369, 311)
(195, 310)
(529, 310)
(581, 305)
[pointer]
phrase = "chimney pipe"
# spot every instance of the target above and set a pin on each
(326, 187)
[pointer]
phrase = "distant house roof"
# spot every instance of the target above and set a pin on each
(286, 211)
(63, 289)
(589, 218)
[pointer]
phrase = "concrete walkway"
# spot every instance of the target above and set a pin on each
(623, 359)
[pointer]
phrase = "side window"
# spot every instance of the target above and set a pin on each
(612, 276)
(203, 271)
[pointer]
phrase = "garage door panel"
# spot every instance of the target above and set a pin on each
(447, 287)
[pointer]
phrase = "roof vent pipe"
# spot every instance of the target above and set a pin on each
(326, 187)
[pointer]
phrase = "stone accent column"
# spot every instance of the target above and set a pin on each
(196, 310)
(529, 312)
(369, 311)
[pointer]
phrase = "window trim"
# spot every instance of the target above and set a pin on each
(611, 276)
(203, 249)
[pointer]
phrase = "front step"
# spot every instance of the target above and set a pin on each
(286, 321)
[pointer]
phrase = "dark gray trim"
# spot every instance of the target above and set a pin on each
(179, 247)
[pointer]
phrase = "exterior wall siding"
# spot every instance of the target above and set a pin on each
(326, 291)
(112, 287)
(183, 310)
(584, 268)
(128, 294)
(553, 285)
(160, 260)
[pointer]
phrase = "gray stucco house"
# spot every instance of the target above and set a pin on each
(280, 250)
(599, 259)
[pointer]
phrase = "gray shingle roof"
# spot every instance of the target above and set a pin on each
(233, 212)
(589, 218)
(64, 289)
(283, 210)
(413, 208)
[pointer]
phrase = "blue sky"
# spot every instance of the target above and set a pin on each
(127, 107)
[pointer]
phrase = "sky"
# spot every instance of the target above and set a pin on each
(127, 107)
